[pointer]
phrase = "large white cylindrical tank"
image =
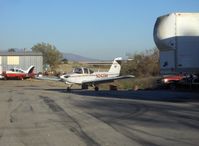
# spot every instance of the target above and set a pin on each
(164, 32)
(178, 33)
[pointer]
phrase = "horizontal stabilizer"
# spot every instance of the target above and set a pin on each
(48, 78)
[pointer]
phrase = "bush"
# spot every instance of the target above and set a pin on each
(143, 64)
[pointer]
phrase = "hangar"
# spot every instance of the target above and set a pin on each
(22, 60)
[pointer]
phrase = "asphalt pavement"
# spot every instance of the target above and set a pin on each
(43, 113)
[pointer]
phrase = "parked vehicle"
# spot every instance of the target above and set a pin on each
(16, 73)
(177, 37)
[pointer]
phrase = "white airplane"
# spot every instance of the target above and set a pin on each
(86, 77)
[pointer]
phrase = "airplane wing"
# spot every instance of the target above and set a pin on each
(106, 80)
(48, 78)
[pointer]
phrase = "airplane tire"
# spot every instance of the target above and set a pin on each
(172, 86)
(96, 88)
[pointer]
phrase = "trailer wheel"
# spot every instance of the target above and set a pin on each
(172, 86)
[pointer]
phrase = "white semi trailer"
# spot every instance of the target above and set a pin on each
(177, 37)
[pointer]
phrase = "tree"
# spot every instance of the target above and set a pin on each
(51, 55)
(65, 61)
(11, 50)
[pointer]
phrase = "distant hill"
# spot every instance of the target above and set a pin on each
(74, 57)
(68, 56)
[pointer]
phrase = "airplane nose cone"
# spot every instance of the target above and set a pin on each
(64, 76)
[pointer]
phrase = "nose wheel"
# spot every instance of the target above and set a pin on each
(68, 89)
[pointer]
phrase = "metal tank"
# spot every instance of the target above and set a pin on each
(177, 37)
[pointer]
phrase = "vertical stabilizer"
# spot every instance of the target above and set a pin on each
(30, 69)
(116, 66)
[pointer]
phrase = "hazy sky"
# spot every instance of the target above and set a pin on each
(101, 29)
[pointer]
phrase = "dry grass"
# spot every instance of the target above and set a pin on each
(138, 83)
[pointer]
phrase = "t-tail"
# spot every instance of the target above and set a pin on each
(115, 67)
(30, 69)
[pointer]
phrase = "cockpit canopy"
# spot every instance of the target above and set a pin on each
(82, 70)
(16, 70)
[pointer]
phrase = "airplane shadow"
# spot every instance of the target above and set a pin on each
(117, 108)
(149, 95)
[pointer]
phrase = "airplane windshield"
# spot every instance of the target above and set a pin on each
(78, 70)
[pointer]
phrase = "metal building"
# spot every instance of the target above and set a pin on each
(22, 60)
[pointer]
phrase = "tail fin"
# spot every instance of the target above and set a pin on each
(30, 69)
(116, 66)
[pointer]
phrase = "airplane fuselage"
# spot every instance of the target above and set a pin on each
(80, 78)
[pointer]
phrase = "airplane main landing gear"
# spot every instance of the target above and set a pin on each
(96, 88)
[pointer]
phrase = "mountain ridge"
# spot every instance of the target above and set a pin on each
(75, 57)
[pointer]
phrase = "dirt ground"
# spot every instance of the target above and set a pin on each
(42, 113)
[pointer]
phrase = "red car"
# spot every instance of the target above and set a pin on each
(171, 81)
(172, 78)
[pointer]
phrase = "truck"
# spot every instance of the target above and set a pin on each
(176, 35)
